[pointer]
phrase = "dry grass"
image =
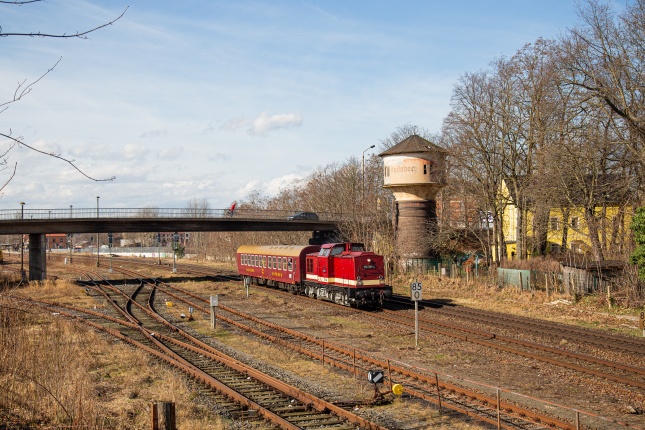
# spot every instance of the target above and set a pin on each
(57, 373)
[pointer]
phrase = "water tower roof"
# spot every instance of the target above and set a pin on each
(412, 144)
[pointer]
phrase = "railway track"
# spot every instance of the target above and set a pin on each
(247, 394)
(599, 339)
(541, 327)
(425, 386)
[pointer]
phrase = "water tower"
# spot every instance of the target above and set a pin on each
(415, 170)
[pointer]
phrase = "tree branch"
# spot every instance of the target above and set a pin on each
(80, 35)
(51, 154)
(22, 90)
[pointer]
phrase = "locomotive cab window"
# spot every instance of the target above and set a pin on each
(337, 250)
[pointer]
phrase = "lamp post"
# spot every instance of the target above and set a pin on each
(22, 244)
(98, 242)
(70, 210)
(363, 182)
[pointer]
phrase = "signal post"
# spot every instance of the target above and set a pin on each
(416, 294)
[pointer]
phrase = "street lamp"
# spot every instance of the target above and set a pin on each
(363, 183)
(70, 210)
(98, 242)
(22, 244)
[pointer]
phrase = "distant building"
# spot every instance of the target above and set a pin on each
(56, 241)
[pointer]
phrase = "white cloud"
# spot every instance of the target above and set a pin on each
(265, 123)
(234, 124)
(132, 151)
(153, 133)
(274, 186)
(170, 153)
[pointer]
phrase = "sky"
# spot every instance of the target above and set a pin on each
(211, 100)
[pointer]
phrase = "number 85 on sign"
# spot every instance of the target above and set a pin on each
(415, 291)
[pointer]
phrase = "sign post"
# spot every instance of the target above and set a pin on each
(642, 322)
(416, 294)
(110, 239)
(214, 305)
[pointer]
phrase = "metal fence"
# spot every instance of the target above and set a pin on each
(93, 213)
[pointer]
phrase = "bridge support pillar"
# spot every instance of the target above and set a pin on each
(37, 257)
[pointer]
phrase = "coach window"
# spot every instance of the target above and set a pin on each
(289, 264)
(264, 261)
(255, 261)
(273, 262)
(284, 263)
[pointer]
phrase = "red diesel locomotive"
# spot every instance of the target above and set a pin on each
(343, 273)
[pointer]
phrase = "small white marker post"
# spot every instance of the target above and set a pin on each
(214, 304)
(247, 284)
(416, 294)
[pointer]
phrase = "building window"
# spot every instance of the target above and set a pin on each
(575, 222)
(554, 223)
(425, 169)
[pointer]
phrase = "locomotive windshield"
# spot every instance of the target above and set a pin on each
(358, 247)
(337, 249)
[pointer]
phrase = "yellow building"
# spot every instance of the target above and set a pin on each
(567, 229)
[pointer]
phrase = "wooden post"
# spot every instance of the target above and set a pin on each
(389, 373)
(154, 416)
(167, 416)
(163, 416)
(520, 277)
(354, 362)
(436, 381)
(323, 352)
(499, 412)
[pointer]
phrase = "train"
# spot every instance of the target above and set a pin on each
(343, 273)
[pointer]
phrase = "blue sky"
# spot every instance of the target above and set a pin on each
(214, 99)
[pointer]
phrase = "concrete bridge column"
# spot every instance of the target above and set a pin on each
(37, 257)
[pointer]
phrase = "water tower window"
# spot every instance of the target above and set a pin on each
(425, 169)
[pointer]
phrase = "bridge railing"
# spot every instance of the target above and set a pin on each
(93, 213)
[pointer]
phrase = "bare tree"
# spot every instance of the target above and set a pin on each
(25, 87)
(605, 59)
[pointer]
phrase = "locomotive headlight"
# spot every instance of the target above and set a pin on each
(369, 260)
(359, 281)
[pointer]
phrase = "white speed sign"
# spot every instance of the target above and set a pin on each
(415, 291)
